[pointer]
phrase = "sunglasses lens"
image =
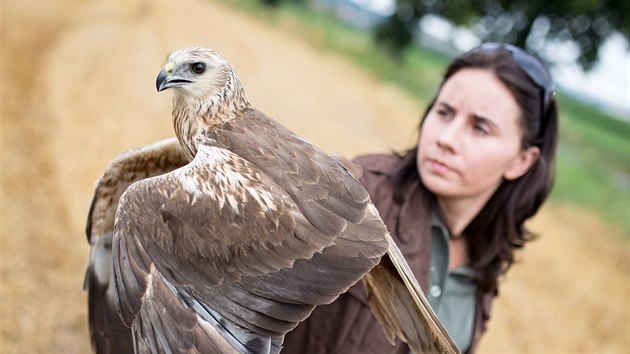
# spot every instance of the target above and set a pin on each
(536, 71)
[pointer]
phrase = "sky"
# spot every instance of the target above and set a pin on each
(605, 85)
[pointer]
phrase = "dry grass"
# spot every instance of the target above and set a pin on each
(78, 88)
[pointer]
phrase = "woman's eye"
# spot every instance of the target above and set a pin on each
(480, 129)
(198, 68)
(443, 113)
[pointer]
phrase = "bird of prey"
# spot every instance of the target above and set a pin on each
(223, 240)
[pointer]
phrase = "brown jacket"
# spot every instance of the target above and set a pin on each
(347, 325)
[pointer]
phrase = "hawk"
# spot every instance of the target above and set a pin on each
(223, 240)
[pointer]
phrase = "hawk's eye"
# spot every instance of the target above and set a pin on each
(198, 68)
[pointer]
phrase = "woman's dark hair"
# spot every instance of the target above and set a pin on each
(499, 227)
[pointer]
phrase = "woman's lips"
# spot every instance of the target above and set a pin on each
(439, 167)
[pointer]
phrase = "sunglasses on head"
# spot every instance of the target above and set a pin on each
(531, 66)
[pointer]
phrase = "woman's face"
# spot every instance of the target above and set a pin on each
(471, 138)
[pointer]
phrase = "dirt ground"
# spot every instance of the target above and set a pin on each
(78, 87)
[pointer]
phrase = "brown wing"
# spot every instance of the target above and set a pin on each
(399, 304)
(329, 199)
(218, 245)
(108, 333)
(324, 190)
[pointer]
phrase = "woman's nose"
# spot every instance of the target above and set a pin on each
(449, 136)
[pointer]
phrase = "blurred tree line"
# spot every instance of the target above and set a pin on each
(586, 23)
(525, 23)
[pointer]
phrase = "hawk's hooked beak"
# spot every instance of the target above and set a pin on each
(166, 78)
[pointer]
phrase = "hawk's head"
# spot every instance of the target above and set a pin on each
(200, 76)
(206, 92)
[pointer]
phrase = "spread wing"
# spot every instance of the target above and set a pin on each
(218, 252)
(108, 333)
(399, 304)
(328, 201)
(322, 187)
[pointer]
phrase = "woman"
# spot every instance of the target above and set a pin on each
(456, 203)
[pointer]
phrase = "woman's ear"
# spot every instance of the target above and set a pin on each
(522, 163)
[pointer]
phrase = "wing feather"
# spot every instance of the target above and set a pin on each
(214, 231)
(107, 331)
(399, 304)
(323, 188)
(219, 232)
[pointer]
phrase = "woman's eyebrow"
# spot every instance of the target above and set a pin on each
(485, 120)
(446, 106)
